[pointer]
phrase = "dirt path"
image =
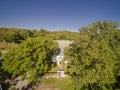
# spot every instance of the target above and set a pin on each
(62, 44)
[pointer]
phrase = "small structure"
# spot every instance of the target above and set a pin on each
(57, 59)
(60, 74)
(60, 56)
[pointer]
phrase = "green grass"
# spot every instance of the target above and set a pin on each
(60, 84)
(55, 83)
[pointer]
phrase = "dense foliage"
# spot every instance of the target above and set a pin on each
(94, 58)
(11, 37)
(17, 35)
(31, 59)
(63, 35)
(14, 35)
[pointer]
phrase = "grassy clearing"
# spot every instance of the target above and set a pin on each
(59, 84)
(6, 46)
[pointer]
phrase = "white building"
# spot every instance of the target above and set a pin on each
(57, 59)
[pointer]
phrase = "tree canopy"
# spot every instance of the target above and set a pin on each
(94, 57)
(17, 35)
(14, 34)
(32, 58)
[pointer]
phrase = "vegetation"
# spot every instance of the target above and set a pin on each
(14, 35)
(17, 35)
(94, 57)
(31, 58)
(57, 84)
(63, 35)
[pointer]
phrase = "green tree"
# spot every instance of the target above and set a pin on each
(24, 34)
(32, 58)
(94, 61)
(41, 32)
(12, 36)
